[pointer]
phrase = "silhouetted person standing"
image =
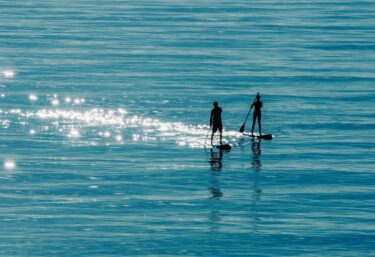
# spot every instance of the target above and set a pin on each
(257, 104)
(215, 121)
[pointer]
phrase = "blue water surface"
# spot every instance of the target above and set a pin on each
(104, 107)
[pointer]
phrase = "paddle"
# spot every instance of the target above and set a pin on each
(242, 129)
(208, 132)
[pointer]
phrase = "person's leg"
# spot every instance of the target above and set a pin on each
(214, 129)
(260, 123)
(221, 135)
(252, 128)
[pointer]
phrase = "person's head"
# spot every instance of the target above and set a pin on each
(216, 104)
(258, 96)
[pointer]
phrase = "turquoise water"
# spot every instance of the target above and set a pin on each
(104, 109)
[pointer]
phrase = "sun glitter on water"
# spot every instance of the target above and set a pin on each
(8, 73)
(74, 133)
(55, 102)
(33, 98)
(9, 165)
(105, 126)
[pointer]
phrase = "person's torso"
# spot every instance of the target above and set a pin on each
(257, 106)
(216, 113)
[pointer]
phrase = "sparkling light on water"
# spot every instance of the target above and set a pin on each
(109, 125)
(8, 73)
(9, 165)
(119, 138)
(122, 111)
(74, 133)
(55, 102)
(33, 97)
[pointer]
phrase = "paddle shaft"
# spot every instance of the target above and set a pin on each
(208, 132)
(247, 116)
(242, 129)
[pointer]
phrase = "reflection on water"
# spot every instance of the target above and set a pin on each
(215, 191)
(216, 160)
(256, 166)
(216, 166)
(256, 150)
(257, 191)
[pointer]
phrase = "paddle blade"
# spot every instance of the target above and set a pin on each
(242, 129)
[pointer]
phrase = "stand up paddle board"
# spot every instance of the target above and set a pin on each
(263, 136)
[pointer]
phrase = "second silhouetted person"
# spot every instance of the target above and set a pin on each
(215, 121)
(257, 104)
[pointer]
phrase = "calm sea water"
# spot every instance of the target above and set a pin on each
(104, 107)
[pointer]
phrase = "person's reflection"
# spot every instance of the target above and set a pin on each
(215, 190)
(256, 165)
(216, 166)
(255, 147)
(216, 160)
